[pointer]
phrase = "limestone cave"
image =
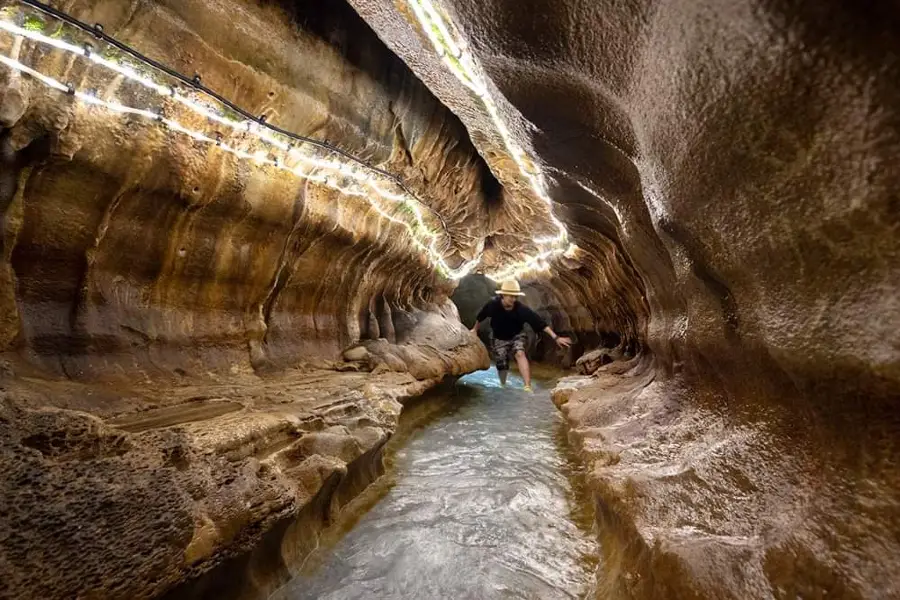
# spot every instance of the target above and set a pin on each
(243, 244)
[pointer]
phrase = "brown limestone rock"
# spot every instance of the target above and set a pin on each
(139, 249)
(728, 171)
(166, 488)
(588, 363)
(168, 308)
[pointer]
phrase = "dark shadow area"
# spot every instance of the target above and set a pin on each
(471, 294)
(491, 187)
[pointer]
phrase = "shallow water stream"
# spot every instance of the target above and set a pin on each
(481, 500)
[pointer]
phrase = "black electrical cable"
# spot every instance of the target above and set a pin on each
(195, 82)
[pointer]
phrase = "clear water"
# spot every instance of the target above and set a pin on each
(481, 501)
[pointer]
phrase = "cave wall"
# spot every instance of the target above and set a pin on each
(172, 319)
(730, 169)
(764, 202)
(129, 248)
(727, 170)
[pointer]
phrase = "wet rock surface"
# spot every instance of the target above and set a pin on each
(728, 170)
(196, 350)
(126, 492)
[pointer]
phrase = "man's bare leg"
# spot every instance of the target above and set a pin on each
(502, 375)
(524, 367)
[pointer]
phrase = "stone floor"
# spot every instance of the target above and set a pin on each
(128, 490)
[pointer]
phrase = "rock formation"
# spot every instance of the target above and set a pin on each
(728, 171)
(203, 356)
(173, 318)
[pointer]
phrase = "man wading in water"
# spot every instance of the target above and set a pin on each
(508, 317)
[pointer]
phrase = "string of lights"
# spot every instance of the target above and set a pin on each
(196, 82)
(282, 150)
(452, 51)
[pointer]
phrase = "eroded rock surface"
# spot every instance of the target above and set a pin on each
(729, 171)
(124, 492)
(127, 244)
(174, 396)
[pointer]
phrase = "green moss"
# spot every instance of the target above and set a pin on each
(33, 23)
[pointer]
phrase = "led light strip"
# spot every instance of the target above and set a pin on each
(371, 179)
(464, 66)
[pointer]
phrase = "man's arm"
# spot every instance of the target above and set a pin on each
(538, 324)
(562, 342)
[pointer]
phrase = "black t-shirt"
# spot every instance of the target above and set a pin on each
(507, 324)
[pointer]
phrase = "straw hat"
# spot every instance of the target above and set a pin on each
(510, 287)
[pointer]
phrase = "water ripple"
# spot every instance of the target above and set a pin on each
(479, 508)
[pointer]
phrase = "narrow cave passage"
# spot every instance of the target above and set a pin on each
(482, 497)
(240, 238)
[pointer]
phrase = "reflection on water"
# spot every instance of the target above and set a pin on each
(482, 502)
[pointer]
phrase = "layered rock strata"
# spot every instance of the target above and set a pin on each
(729, 171)
(129, 247)
(726, 169)
(172, 318)
(122, 492)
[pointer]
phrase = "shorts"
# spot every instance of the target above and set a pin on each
(506, 349)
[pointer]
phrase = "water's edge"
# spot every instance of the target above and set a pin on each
(298, 545)
(483, 497)
(285, 547)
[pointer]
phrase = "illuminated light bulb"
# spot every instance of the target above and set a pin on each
(17, 66)
(168, 91)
